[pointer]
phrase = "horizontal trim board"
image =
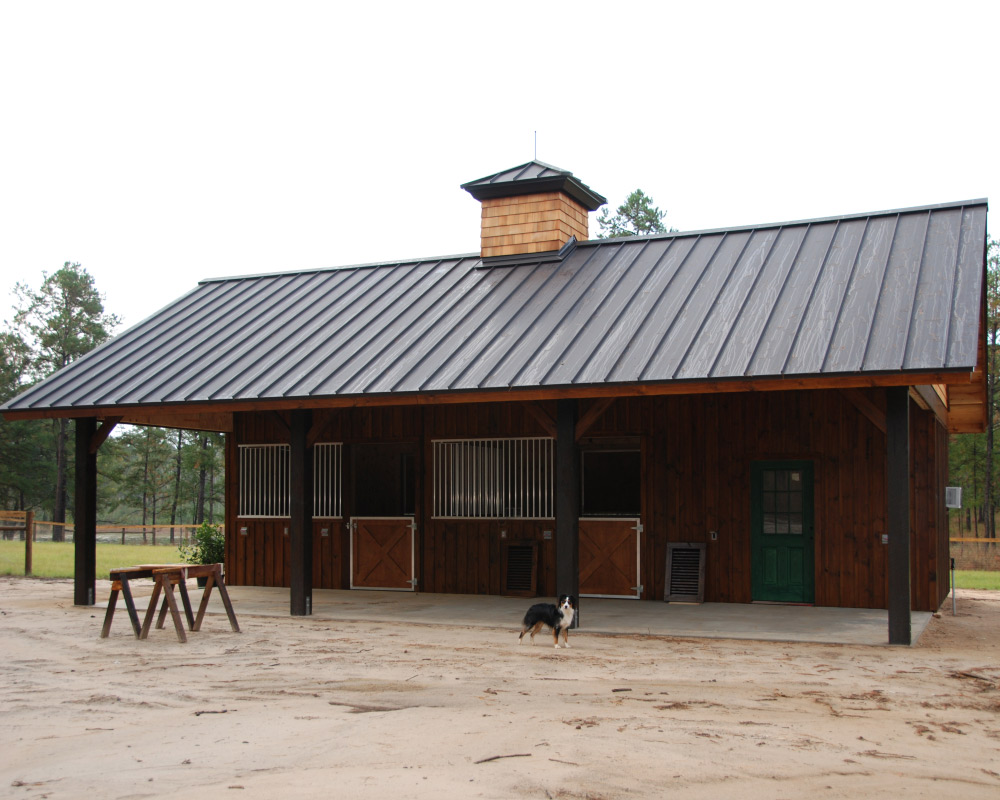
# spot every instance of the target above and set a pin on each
(511, 395)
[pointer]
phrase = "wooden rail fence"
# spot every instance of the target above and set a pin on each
(13, 523)
(23, 522)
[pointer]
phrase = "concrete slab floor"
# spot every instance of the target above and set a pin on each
(764, 622)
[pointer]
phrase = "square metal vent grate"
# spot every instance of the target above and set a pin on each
(685, 573)
(520, 569)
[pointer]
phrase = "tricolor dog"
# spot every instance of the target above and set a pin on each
(558, 618)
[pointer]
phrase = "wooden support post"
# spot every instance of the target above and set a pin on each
(898, 511)
(85, 514)
(567, 504)
(300, 524)
(29, 540)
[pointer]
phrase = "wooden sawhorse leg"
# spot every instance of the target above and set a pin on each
(215, 579)
(122, 586)
(163, 584)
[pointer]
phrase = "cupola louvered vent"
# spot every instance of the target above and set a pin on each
(685, 573)
(520, 569)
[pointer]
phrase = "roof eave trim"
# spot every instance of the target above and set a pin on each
(512, 394)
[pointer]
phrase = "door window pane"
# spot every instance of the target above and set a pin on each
(781, 501)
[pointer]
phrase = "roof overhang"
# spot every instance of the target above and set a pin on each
(932, 390)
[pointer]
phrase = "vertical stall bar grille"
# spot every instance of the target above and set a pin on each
(264, 480)
(494, 478)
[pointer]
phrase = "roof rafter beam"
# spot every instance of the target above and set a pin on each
(594, 413)
(102, 433)
(542, 417)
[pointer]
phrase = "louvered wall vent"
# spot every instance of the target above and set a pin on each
(685, 573)
(520, 569)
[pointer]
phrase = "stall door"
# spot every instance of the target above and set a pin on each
(609, 557)
(383, 553)
(782, 564)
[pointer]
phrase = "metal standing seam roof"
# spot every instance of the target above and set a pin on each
(886, 292)
(532, 178)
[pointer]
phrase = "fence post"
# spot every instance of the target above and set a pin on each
(29, 535)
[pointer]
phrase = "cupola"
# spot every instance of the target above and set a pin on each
(533, 208)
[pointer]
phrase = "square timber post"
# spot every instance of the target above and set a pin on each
(300, 524)
(897, 420)
(85, 514)
(567, 504)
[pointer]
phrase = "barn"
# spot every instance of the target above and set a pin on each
(751, 414)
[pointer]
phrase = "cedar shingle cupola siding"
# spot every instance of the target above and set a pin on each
(533, 208)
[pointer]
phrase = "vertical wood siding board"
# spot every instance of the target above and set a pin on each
(647, 323)
(733, 495)
(964, 320)
(813, 336)
(248, 546)
(488, 294)
(924, 580)
(916, 506)
(933, 500)
(725, 311)
(759, 307)
(423, 307)
(522, 319)
(783, 324)
(484, 560)
(361, 323)
(515, 283)
(894, 306)
(855, 566)
(619, 334)
(577, 333)
(672, 347)
(857, 310)
(530, 349)
(919, 513)
(926, 346)
(253, 379)
(943, 533)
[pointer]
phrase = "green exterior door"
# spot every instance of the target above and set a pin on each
(781, 506)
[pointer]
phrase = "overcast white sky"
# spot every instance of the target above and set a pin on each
(164, 143)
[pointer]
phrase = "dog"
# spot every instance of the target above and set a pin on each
(558, 618)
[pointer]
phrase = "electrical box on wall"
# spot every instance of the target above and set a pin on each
(952, 496)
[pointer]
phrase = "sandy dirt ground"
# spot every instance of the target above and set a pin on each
(304, 708)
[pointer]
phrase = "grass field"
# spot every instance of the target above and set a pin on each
(55, 559)
(977, 579)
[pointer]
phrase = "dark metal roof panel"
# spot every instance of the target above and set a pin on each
(963, 329)
(535, 176)
(889, 292)
(783, 324)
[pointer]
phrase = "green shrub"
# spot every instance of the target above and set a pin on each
(208, 545)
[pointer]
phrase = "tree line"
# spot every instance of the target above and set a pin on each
(971, 457)
(147, 475)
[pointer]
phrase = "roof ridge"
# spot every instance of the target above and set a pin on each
(981, 201)
(368, 265)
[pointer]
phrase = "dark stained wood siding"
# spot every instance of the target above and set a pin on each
(696, 457)
(463, 556)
